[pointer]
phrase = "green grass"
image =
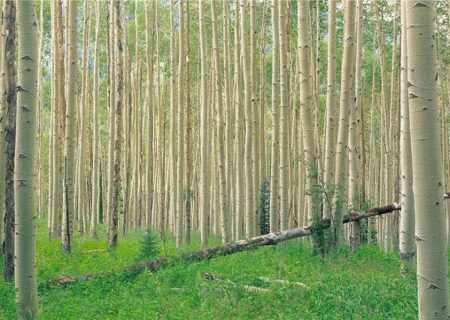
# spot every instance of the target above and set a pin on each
(366, 285)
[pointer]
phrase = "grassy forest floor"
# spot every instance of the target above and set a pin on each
(366, 285)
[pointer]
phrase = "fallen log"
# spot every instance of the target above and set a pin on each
(229, 248)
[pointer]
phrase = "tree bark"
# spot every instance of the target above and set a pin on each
(25, 233)
(69, 151)
(9, 75)
(431, 240)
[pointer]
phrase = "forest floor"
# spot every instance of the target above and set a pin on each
(365, 285)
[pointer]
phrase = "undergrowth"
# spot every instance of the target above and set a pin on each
(366, 285)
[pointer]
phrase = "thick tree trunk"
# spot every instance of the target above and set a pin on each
(25, 233)
(431, 240)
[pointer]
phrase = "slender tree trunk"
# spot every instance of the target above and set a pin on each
(204, 147)
(330, 140)
(306, 109)
(25, 233)
(115, 206)
(248, 164)
(83, 110)
(179, 212)
(354, 153)
(9, 75)
(275, 169)
(342, 138)
(432, 264)
(239, 133)
(95, 136)
(40, 118)
(407, 245)
(149, 139)
(187, 135)
(69, 151)
(284, 119)
(223, 197)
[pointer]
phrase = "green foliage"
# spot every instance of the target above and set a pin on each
(340, 286)
(264, 207)
(149, 246)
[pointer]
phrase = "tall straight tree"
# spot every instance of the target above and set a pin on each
(406, 241)
(203, 129)
(274, 166)
(9, 78)
(179, 212)
(69, 147)
(95, 132)
(306, 109)
(284, 117)
(330, 141)
(119, 46)
(431, 241)
(248, 164)
(224, 213)
(344, 105)
(25, 233)
(150, 107)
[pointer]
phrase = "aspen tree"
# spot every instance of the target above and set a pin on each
(40, 116)
(149, 138)
(173, 122)
(83, 109)
(25, 233)
(69, 147)
(306, 109)
(59, 119)
(342, 137)
(407, 245)
(330, 141)
(179, 212)
(95, 145)
(9, 75)
(284, 119)
(353, 145)
(275, 170)
(187, 134)
(115, 206)
(2, 127)
(239, 131)
(111, 106)
(248, 162)
(136, 127)
(204, 194)
(432, 264)
(223, 197)
(256, 139)
(50, 218)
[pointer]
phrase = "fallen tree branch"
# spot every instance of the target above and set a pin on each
(282, 282)
(210, 276)
(229, 248)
